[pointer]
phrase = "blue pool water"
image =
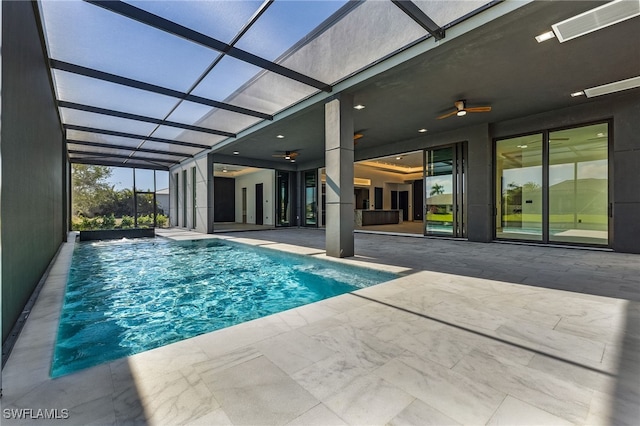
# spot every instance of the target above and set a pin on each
(125, 297)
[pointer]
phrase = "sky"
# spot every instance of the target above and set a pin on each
(122, 178)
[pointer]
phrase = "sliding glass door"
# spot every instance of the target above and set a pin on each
(444, 191)
(553, 187)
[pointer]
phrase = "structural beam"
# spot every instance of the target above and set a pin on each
(136, 84)
(339, 171)
(126, 157)
(171, 27)
(120, 114)
(127, 148)
(421, 18)
(132, 136)
(97, 162)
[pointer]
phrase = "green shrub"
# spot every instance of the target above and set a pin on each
(127, 222)
(108, 222)
(161, 221)
(145, 221)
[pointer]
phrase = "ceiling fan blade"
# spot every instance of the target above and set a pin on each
(478, 109)
(449, 114)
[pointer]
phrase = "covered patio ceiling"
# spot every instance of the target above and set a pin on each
(149, 84)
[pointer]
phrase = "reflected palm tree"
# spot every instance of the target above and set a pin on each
(436, 189)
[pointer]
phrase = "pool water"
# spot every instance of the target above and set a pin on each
(125, 297)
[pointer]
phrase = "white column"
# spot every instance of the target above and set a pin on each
(339, 172)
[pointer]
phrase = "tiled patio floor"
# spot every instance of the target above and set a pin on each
(470, 334)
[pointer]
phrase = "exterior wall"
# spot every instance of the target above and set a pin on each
(249, 181)
(34, 167)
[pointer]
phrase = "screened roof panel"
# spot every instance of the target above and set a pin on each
(284, 24)
(99, 138)
(445, 12)
(171, 148)
(368, 33)
(225, 78)
(100, 121)
(164, 157)
(228, 121)
(187, 135)
(97, 150)
(84, 34)
(94, 92)
(221, 20)
(190, 113)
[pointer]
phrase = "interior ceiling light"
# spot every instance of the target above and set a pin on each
(236, 153)
(422, 131)
(399, 158)
(461, 113)
(576, 94)
(280, 137)
(545, 36)
(616, 86)
(601, 135)
(359, 106)
(293, 161)
(596, 19)
(523, 146)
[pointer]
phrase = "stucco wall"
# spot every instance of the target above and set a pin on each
(249, 181)
(33, 204)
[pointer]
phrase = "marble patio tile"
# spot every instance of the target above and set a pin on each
(343, 302)
(591, 376)
(357, 347)
(545, 391)
(320, 326)
(319, 415)
(467, 314)
(419, 413)
(375, 318)
(293, 351)
(17, 382)
(368, 400)
(96, 412)
(329, 376)
(258, 392)
(164, 359)
(442, 345)
(454, 395)
(173, 398)
(67, 391)
(305, 315)
(382, 291)
(554, 342)
(610, 330)
(227, 339)
(513, 412)
(213, 418)
(207, 369)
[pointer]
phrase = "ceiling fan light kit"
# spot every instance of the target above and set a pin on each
(462, 109)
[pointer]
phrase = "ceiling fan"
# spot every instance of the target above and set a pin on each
(461, 109)
(287, 155)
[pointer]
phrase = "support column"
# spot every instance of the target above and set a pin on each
(339, 171)
(210, 202)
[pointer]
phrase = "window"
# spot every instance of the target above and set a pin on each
(193, 197)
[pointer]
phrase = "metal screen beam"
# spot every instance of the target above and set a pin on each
(127, 148)
(117, 79)
(120, 114)
(421, 18)
(126, 157)
(171, 27)
(96, 162)
(132, 136)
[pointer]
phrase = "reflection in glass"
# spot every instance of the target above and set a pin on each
(283, 207)
(439, 191)
(310, 198)
(578, 185)
(519, 188)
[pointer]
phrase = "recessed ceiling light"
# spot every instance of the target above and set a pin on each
(461, 113)
(359, 106)
(293, 161)
(523, 146)
(236, 153)
(422, 130)
(280, 137)
(601, 135)
(399, 158)
(576, 94)
(224, 170)
(545, 36)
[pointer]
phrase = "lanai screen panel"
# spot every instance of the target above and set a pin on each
(101, 121)
(444, 12)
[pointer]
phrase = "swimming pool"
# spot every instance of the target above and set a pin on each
(125, 297)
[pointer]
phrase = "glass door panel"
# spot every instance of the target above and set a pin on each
(519, 188)
(310, 198)
(283, 207)
(439, 191)
(578, 185)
